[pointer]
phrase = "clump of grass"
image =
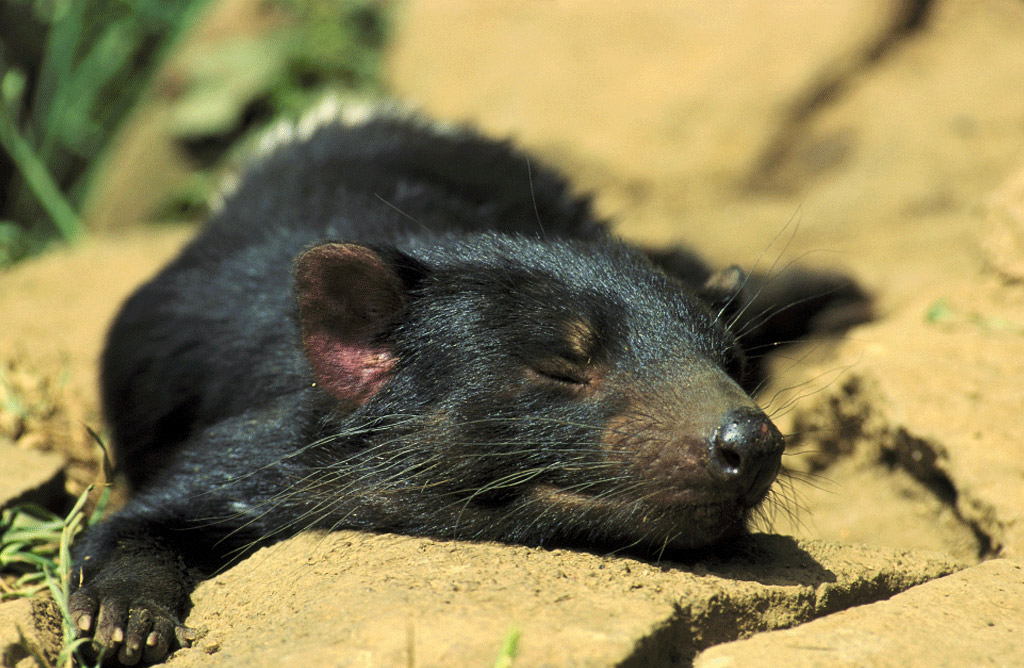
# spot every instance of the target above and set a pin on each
(29, 547)
(238, 87)
(334, 43)
(35, 545)
(35, 554)
(58, 579)
(70, 70)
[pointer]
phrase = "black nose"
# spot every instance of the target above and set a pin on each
(746, 453)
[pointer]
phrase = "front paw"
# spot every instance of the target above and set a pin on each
(125, 625)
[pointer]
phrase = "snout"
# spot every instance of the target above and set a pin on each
(698, 441)
(745, 453)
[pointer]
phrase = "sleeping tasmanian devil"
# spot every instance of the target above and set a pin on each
(390, 327)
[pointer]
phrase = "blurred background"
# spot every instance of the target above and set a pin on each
(711, 124)
(93, 89)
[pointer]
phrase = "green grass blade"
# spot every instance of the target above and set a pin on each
(509, 648)
(27, 559)
(37, 177)
(109, 55)
(180, 20)
(108, 465)
(59, 582)
(58, 59)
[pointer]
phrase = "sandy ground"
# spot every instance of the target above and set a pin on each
(761, 133)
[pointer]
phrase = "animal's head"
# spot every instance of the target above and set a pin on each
(537, 393)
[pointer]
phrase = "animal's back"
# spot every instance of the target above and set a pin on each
(215, 333)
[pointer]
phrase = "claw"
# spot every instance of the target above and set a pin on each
(83, 608)
(185, 635)
(84, 623)
(158, 641)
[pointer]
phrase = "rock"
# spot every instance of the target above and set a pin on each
(29, 630)
(350, 598)
(971, 618)
(1004, 241)
(933, 395)
(30, 475)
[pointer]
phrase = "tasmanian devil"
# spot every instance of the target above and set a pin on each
(391, 327)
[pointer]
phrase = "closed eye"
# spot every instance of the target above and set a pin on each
(561, 370)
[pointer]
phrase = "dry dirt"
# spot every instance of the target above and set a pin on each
(907, 625)
(397, 601)
(761, 133)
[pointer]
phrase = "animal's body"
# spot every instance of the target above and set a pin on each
(391, 328)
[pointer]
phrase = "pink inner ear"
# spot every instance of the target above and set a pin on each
(348, 371)
(348, 296)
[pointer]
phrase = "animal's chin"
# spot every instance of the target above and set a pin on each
(676, 521)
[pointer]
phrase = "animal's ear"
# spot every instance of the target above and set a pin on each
(349, 296)
(722, 290)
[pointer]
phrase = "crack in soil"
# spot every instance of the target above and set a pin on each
(849, 425)
(775, 169)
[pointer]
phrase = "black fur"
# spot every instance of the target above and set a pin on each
(473, 358)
